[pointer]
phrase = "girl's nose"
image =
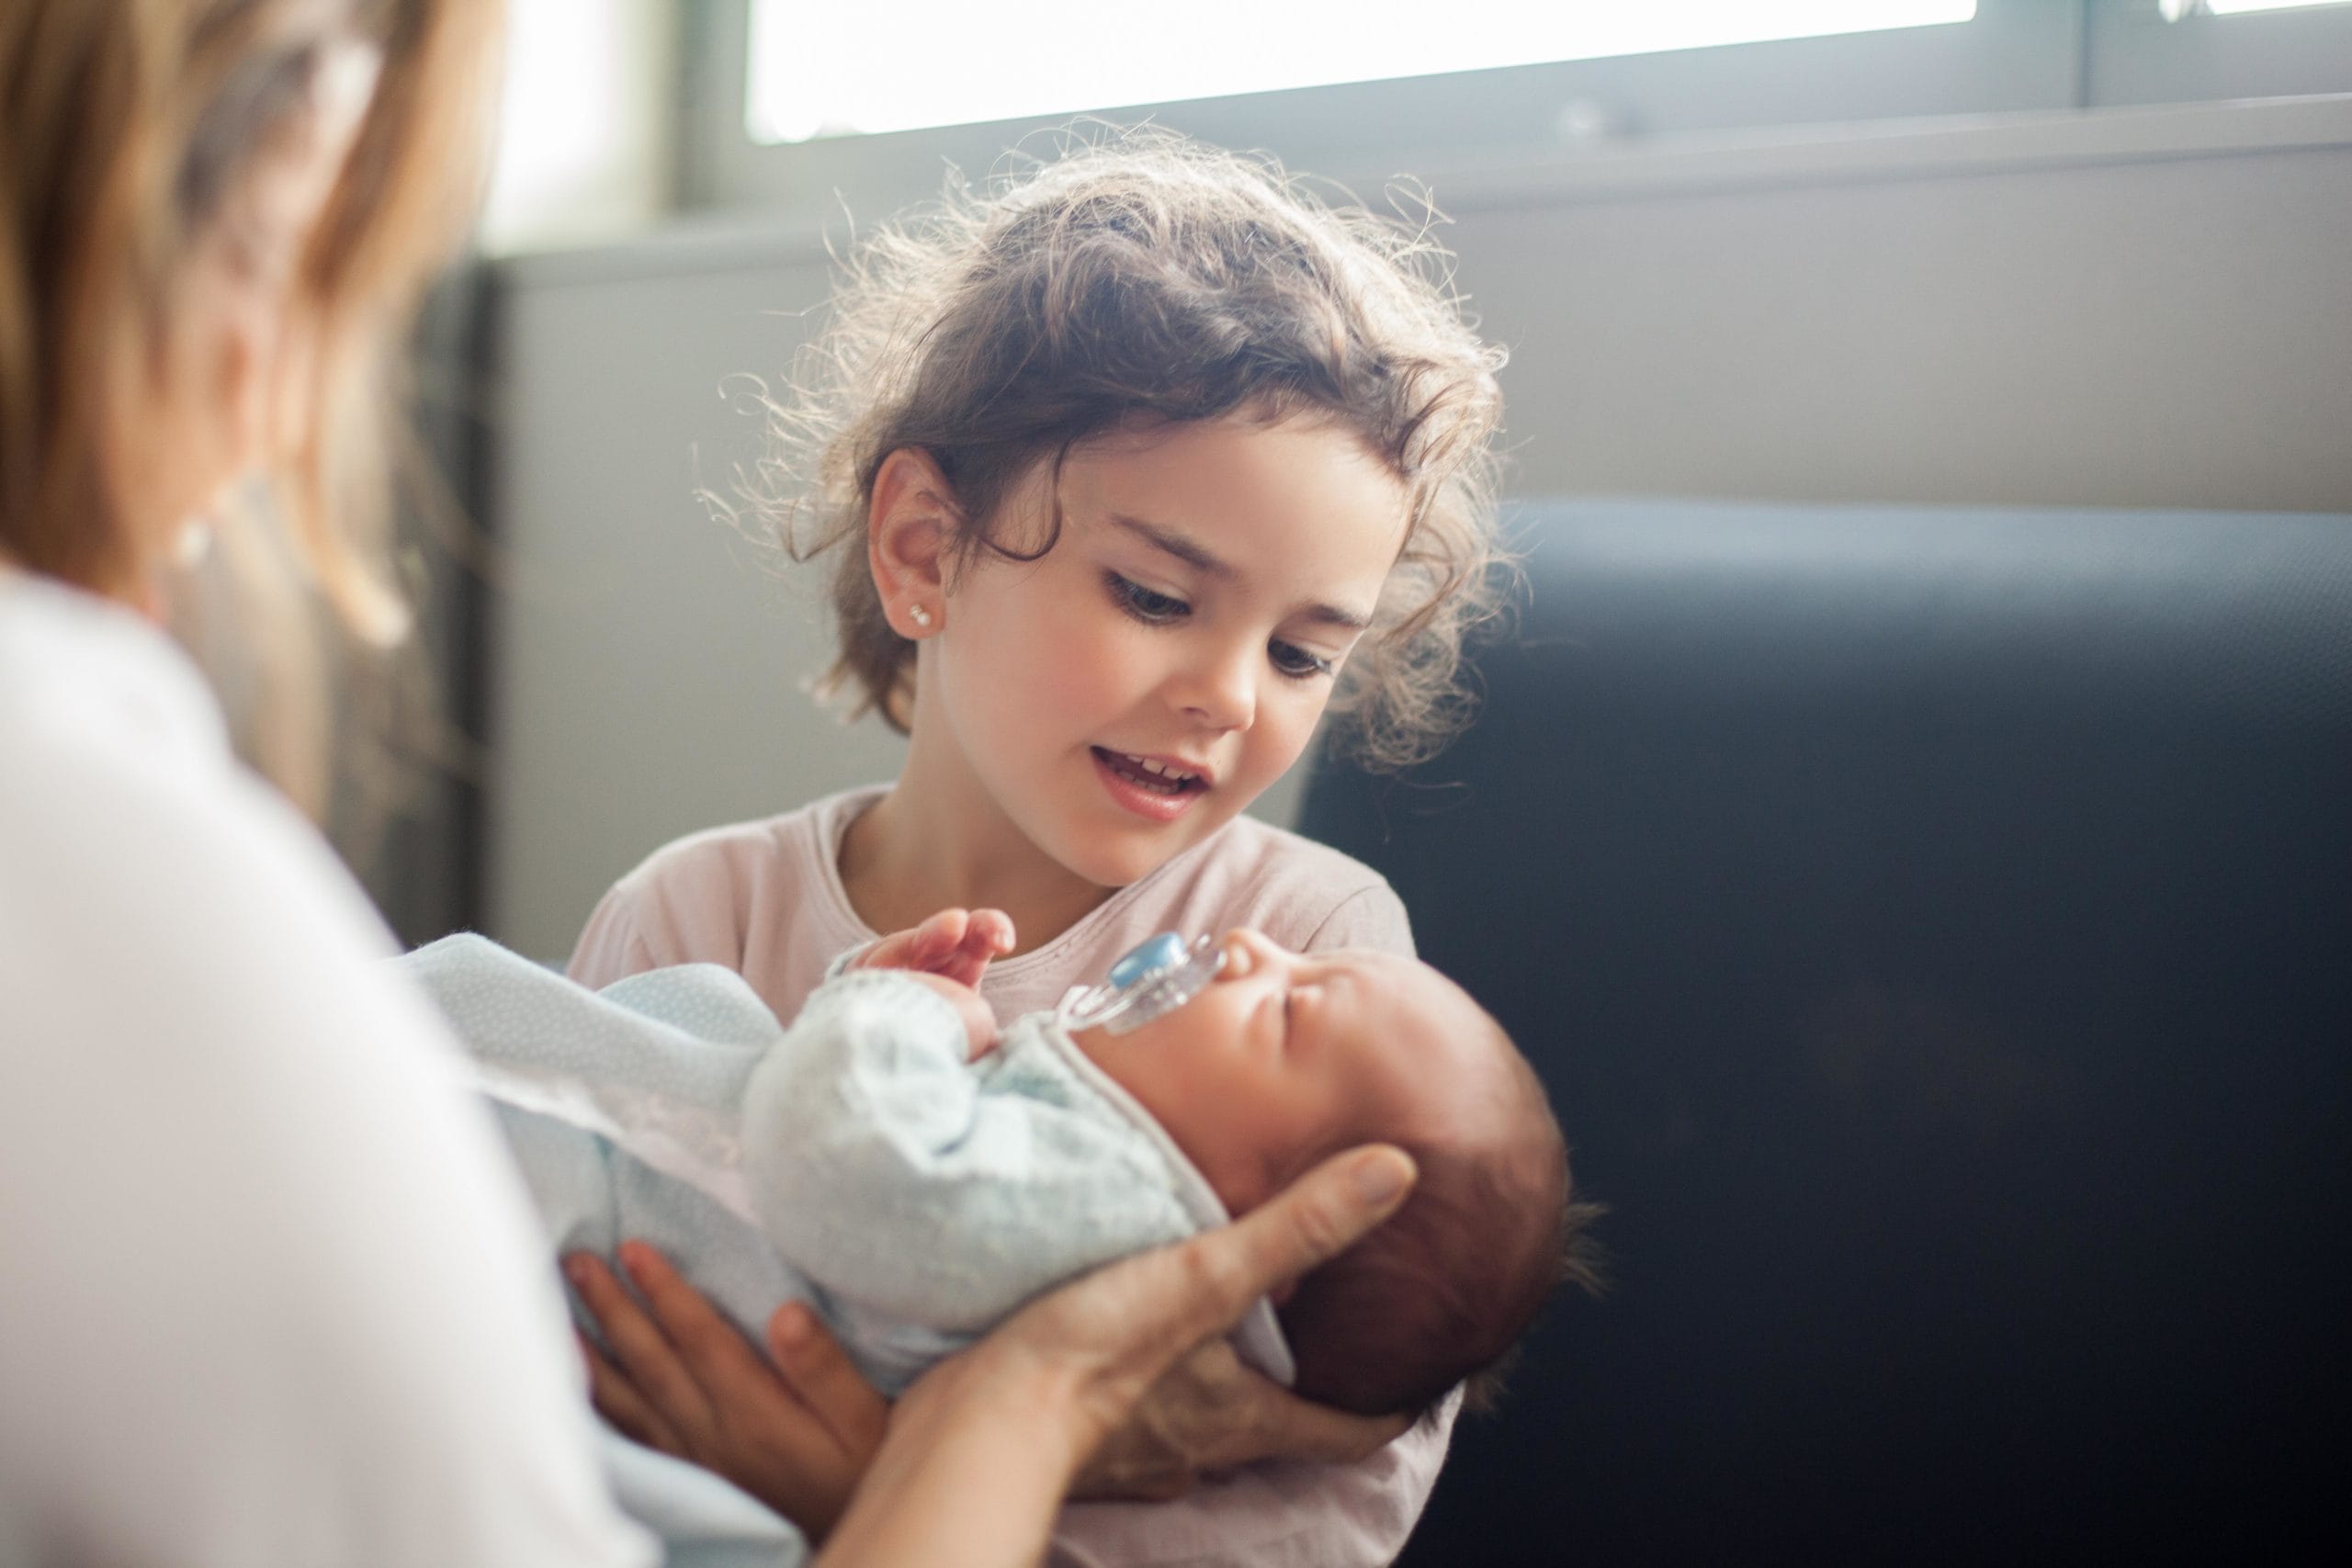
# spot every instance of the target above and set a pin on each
(1221, 692)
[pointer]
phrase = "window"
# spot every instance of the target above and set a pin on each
(819, 69)
(792, 107)
(2175, 10)
(2172, 52)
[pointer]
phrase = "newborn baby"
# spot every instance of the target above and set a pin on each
(917, 1172)
(1283, 1059)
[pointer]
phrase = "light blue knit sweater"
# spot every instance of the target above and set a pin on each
(856, 1160)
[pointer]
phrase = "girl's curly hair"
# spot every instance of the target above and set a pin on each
(1147, 277)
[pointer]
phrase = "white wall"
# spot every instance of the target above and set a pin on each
(2126, 308)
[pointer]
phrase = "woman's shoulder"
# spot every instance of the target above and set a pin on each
(135, 843)
(121, 798)
(91, 681)
(214, 1048)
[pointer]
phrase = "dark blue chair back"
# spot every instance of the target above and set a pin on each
(1935, 930)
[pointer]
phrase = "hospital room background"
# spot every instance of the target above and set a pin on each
(1789, 288)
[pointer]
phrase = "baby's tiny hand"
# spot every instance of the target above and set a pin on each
(955, 945)
(979, 1017)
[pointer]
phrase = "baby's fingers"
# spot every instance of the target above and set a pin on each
(925, 946)
(990, 933)
(986, 936)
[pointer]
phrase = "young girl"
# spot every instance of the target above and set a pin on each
(1135, 468)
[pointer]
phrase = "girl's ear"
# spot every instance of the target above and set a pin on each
(909, 525)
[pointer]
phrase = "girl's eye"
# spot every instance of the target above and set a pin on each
(1146, 604)
(1298, 663)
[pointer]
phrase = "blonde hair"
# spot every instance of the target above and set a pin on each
(128, 124)
(1148, 279)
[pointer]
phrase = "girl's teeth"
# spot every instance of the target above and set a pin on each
(1161, 775)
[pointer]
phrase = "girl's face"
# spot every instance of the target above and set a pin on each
(1125, 696)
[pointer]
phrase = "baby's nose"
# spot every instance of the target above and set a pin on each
(1245, 949)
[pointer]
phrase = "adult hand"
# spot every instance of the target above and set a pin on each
(981, 1450)
(1210, 1412)
(796, 1429)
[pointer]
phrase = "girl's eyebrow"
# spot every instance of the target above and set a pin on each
(1183, 548)
(1194, 554)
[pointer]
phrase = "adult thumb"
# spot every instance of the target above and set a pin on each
(1312, 1221)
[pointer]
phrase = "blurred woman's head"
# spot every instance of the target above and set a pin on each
(216, 216)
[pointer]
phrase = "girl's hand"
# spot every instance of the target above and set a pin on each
(982, 1450)
(1209, 1412)
(795, 1430)
(954, 944)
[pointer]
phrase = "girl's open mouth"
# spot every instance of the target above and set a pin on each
(1148, 787)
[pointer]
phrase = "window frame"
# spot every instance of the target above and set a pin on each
(2132, 56)
(2015, 56)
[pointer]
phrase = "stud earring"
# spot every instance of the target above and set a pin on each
(921, 617)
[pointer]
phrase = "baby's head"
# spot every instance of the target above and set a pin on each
(1283, 1059)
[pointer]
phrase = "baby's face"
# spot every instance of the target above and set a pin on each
(1284, 1057)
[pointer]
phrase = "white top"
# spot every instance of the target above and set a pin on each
(268, 1292)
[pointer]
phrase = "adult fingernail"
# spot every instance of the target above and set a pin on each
(792, 1327)
(1380, 1177)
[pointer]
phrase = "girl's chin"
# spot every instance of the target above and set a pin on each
(1129, 852)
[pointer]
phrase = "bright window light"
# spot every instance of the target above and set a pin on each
(825, 68)
(2234, 7)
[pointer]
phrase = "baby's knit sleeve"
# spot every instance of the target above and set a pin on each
(881, 1165)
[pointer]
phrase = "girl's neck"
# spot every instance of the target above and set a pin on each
(931, 843)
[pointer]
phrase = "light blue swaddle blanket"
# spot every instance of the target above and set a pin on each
(855, 1161)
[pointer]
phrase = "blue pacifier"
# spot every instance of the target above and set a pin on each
(1154, 978)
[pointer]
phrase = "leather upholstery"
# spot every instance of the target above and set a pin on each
(1935, 930)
